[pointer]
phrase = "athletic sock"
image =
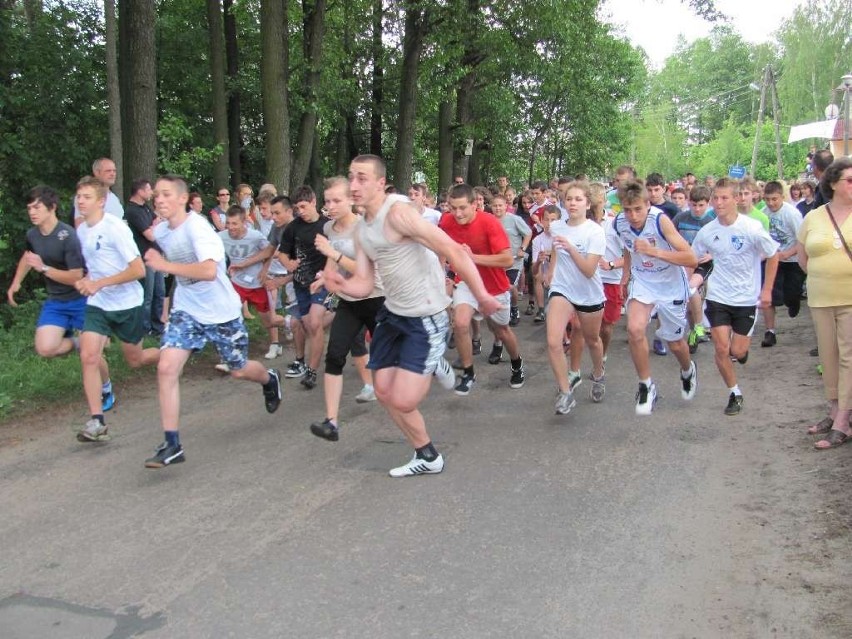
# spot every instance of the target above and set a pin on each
(517, 363)
(427, 452)
(647, 382)
(735, 389)
(468, 370)
(497, 342)
(770, 330)
(685, 374)
(106, 389)
(573, 373)
(100, 418)
(172, 438)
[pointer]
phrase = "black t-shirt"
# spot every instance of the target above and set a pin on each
(59, 249)
(140, 217)
(297, 242)
(669, 208)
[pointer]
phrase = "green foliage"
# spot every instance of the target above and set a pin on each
(178, 154)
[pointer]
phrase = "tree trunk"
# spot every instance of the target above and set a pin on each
(140, 99)
(216, 40)
(232, 58)
(114, 96)
(33, 8)
(416, 22)
(473, 176)
(445, 145)
(274, 75)
(378, 81)
(314, 28)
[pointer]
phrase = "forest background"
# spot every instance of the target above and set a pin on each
(288, 91)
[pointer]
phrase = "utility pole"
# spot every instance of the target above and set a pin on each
(776, 117)
(760, 113)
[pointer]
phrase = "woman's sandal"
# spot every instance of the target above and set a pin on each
(821, 427)
(834, 439)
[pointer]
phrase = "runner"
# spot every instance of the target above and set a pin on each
(409, 340)
(520, 236)
(205, 309)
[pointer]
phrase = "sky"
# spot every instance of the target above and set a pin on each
(655, 24)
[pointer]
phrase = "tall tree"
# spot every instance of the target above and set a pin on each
(274, 77)
(313, 26)
(232, 58)
(114, 95)
(140, 99)
(216, 41)
(377, 82)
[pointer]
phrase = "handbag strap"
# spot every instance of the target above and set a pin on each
(837, 228)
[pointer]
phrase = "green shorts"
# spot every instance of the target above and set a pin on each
(126, 325)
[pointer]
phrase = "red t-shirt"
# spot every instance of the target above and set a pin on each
(485, 236)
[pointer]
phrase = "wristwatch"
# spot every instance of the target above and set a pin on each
(611, 266)
(45, 268)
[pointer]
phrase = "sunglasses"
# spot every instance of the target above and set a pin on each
(224, 195)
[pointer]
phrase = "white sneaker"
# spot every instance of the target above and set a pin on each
(93, 431)
(367, 394)
(419, 467)
(690, 383)
(646, 397)
(222, 368)
(275, 350)
(564, 403)
(445, 374)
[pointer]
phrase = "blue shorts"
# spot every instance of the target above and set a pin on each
(230, 338)
(305, 299)
(414, 344)
(69, 315)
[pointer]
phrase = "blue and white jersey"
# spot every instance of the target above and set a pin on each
(653, 279)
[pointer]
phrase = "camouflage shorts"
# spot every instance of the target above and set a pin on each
(230, 338)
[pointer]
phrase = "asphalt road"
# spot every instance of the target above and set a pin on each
(595, 524)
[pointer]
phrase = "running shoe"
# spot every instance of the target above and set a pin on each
(272, 391)
(222, 367)
(701, 333)
(690, 382)
(646, 397)
(295, 369)
(107, 401)
(518, 376)
(735, 404)
(165, 455)
(660, 347)
(530, 309)
(275, 350)
(574, 380)
(419, 467)
(465, 384)
(598, 389)
(564, 403)
(445, 374)
(309, 379)
(367, 394)
(93, 431)
(326, 430)
(769, 339)
(496, 355)
(539, 317)
(477, 346)
(692, 341)
(514, 316)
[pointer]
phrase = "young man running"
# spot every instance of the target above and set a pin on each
(54, 251)
(409, 341)
(655, 256)
(483, 238)
(115, 300)
(737, 245)
(205, 309)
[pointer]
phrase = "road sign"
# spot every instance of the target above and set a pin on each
(738, 172)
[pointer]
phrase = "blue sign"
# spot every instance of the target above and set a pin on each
(738, 172)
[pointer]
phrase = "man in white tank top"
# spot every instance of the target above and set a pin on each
(408, 344)
(654, 256)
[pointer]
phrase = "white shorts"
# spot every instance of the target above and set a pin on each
(671, 313)
(463, 295)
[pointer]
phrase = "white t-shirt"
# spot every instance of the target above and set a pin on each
(737, 250)
(208, 302)
(589, 238)
(108, 249)
(432, 215)
(239, 250)
(784, 227)
(112, 206)
(614, 252)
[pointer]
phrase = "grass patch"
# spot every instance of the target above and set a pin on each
(30, 383)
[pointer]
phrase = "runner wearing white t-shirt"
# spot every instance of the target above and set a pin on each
(541, 247)
(575, 287)
(205, 309)
(114, 305)
(655, 256)
(737, 244)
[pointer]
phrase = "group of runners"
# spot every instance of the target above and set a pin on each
(411, 280)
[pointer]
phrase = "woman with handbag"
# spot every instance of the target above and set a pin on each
(825, 254)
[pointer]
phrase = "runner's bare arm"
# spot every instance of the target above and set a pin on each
(205, 271)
